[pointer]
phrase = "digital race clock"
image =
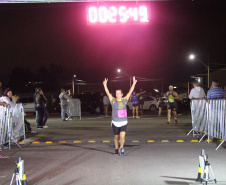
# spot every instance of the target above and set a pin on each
(117, 14)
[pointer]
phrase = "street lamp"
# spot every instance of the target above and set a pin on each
(119, 71)
(73, 84)
(192, 57)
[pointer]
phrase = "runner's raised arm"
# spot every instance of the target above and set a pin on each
(106, 89)
(132, 88)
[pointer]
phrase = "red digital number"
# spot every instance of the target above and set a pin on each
(143, 12)
(113, 14)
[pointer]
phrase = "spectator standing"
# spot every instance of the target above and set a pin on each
(70, 107)
(9, 99)
(46, 114)
(40, 104)
(36, 112)
(216, 92)
(171, 107)
(197, 92)
(1, 89)
(101, 103)
(141, 100)
(135, 102)
(159, 103)
(63, 103)
(106, 103)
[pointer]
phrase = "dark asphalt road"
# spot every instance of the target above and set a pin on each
(156, 154)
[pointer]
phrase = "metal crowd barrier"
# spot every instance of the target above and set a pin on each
(6, 124)
(209, 118)
(74, 108)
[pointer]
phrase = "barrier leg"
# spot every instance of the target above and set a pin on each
(189, 132)
(219, 145)
(202, 138)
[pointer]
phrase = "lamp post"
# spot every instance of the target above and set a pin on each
(193, 57)
(119, 71)
(73, 84)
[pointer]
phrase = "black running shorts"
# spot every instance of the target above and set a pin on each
(117, 130)
(172, 107)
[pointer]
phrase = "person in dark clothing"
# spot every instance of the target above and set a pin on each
(101, 103)
(36, 112)
(40, 103)
(46, 114)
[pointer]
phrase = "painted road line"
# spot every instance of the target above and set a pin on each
(106, 141)
(208, 140)
(91, 141)
(165, 141)
(77, 141)
(179, 141)
(22, 143)
(135, 141)
(49, 142)
(62, 142)
(150, 141)
(195, 141)
(35, 142)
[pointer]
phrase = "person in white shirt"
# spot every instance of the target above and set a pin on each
(197, 92)
(9, 100)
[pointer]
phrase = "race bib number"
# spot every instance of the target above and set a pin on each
(122, 113)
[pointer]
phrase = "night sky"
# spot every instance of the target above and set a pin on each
(33, 35)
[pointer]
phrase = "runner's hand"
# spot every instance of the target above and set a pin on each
(134, 80)
(105, 81)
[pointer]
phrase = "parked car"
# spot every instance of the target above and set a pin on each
(150, 103)
(28, 104)
(90, 103)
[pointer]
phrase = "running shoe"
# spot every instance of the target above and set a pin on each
(45, 126)
(116, 152)
(175, 120)
(137, 117)
(168, 122)
(121, 151)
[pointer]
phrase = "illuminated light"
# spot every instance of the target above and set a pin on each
(117, 14)
(191, 57)
(123, 15)
(103, 14)
(143, 12)
(119, 70)
(92, 14)
(113, 14)
(133, 13)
